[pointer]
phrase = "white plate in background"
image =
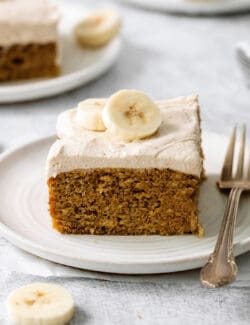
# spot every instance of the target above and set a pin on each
(25, 221)
(193, 7)
(79, 66)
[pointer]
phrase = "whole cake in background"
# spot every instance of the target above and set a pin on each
(28, 39)
(127, 166)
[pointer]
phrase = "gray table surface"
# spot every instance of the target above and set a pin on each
(165, 56)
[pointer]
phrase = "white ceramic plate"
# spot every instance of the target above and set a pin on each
(79, 66)
(194, 6)
(24, 221)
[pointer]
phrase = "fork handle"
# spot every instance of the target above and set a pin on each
(224, 245)
(221, 267)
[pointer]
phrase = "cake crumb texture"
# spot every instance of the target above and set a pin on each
(28, 61)
(121, 201)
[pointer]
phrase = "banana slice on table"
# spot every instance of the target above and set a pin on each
(98, 28)
(40, 304)
(89, 114)
(131, 115)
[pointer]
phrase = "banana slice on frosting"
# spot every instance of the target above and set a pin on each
(89, 114)
(131, 115)
(40, 303)
(98, 28)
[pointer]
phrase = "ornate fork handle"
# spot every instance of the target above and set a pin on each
(221, 267)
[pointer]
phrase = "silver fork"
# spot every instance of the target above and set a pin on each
(221, 268)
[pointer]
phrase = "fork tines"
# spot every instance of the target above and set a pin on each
(228, 179)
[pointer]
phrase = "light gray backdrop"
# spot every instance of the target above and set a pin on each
(165, 56)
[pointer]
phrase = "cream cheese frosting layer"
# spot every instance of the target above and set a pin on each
(27, 21)
(176, 145)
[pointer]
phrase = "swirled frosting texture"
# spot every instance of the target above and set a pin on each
(27, 21)
(176, 145)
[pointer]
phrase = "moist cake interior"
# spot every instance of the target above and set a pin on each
(28, 61)
(125, 202)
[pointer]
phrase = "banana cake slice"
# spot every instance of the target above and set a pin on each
(28, 39)
(137, 174)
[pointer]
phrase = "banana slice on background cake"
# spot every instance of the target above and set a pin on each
(131, 115)
(89, 114)
(40, 304)
(98, 28)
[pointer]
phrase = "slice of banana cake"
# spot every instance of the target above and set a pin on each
(127, 165)
(29, 41)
